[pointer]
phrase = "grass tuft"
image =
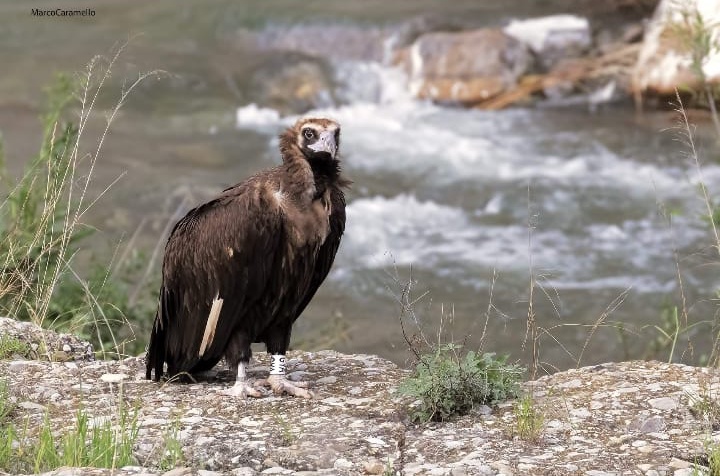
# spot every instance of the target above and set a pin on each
(11, 347)
(529, 419)
(172, 452)
(107, 444)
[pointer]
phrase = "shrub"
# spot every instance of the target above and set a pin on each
(446, 383)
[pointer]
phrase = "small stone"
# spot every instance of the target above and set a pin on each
(113, 378)
(459, 471)
(328, 379)
(244, 471)
(192, 420)
(296, 376)
(373, 467)
(376, 441)
(647, 425)
(677, 463)
(67, 348)
(204, 472)
(575, 383)
(663, 403)
(204, 440)
(342, 463)
(178, 472)
(684, 472)
(17, 366)
(274, 470)
(581, 413)
(31, 406)
(60, 356)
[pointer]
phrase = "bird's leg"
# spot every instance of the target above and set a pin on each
(242, 387)
(279, 384)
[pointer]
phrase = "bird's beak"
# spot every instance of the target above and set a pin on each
(325, 143)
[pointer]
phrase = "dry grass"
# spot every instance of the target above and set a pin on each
(43, 216)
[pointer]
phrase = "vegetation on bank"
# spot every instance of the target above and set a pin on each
(52, 273)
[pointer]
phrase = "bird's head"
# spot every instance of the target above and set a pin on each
(318, 139)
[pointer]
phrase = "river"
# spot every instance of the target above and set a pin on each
(588, 213)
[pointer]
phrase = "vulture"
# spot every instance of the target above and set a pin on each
(242, 267)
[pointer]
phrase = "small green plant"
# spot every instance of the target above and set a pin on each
(704, 407)
(713, 453)
(172, 452)
(447, 383)
(11, 346)
(287, 437)
(105, 445)
(389, 468)
(528, 419)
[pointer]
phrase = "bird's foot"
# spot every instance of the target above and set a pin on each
(245, 389)
(279, 385)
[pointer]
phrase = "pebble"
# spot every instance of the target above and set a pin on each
(342, 463)
(178, 472)
(663, 403)
(31, 406)
(113, 378)
(275, 470)
(373, 467)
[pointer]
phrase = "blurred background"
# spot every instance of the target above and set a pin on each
(495, 162)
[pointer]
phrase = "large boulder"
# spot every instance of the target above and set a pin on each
(665, 61)
(553, 38)
(292, 83)
(466, 67)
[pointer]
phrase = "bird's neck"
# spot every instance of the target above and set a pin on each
(325, 170)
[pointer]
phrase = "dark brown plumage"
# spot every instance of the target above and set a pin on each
(241, 268)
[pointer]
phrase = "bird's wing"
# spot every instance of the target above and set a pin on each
(326, 254)
(223, 249)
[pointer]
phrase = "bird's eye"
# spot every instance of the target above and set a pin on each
(309, 134)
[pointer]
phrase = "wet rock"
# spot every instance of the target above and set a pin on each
(466, 67)
(553, 38)
(665, 60)
(292, 83)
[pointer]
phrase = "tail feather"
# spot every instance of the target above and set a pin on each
(155, 357)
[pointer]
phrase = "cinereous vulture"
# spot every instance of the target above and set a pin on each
(242, 267)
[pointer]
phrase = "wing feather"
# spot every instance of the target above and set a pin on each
(224, 248)
(328, 250)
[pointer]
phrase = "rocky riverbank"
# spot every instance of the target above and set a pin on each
(644, 418)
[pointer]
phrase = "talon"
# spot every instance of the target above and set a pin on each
(279, 385)
(244, 389)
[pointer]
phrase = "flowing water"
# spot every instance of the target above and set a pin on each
(588, 214)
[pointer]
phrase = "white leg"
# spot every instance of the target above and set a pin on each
(242, 387)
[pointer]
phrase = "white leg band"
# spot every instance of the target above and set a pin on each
(277, 365)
